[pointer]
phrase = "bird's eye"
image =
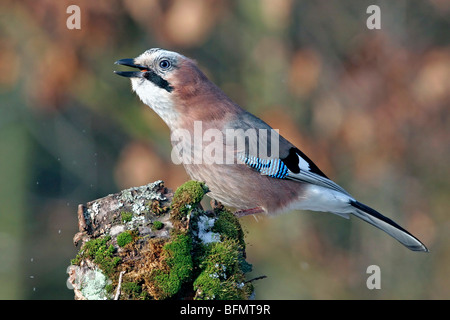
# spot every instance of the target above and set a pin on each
(164, 64)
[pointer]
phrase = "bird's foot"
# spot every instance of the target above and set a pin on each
(246, 212)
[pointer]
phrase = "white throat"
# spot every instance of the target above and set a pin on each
(156, 98)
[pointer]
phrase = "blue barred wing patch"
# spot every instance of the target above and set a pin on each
(274, 168)
(294, 167)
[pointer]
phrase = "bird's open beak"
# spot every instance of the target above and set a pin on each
(130, 63)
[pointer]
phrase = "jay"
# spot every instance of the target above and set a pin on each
(230, 149)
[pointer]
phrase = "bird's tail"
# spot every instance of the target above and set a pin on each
(387, 225)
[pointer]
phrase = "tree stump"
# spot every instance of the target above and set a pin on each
(150, 243)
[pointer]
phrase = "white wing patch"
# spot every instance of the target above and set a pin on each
(303, 164)
(275, 168)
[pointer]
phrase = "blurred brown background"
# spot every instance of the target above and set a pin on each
(370, 107)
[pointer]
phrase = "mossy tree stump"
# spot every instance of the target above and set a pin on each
(150, 243)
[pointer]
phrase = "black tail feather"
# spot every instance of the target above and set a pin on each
(387, 225)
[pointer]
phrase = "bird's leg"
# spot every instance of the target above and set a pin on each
(246, 212)
(240, 213)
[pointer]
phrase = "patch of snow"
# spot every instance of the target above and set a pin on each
(204, 230)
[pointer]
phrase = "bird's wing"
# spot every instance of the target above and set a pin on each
(296, 166)
(270, 154)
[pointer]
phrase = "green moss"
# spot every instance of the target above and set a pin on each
(132, 290)
(167, 284)
(227, 225)
(126, 216)
(125, 238)
(186, 197)
(210, 288)
(179, 256)
(221, 277)
(100, 253)
(157, 225)
(190, 192)
(179, 262)
(76, 261)
(109, 288)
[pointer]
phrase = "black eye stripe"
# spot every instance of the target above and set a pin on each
(156, 79)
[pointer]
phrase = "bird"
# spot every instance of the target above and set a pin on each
(226, 147)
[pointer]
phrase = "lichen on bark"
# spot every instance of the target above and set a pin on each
(165, 245)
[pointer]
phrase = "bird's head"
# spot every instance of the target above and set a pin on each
(156, 68)
(174, 87)
(162, 79)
